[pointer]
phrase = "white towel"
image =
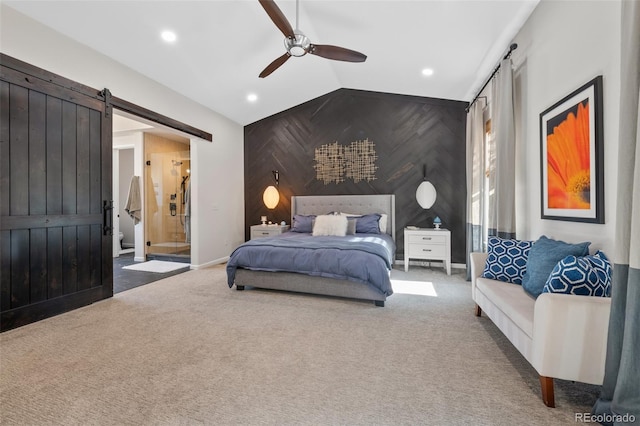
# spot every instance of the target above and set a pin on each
(134, 203)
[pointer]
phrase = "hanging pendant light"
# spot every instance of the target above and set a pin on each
(271, 196)
(426, 193)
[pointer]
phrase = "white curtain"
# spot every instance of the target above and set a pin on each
(476, 217)
(502, 174)
(619, 401)
(491, 163)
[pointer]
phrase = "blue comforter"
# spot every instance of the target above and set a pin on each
(364, 258)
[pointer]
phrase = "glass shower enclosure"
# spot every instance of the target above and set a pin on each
(168, 203)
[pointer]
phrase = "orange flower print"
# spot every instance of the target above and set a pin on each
(568, 162)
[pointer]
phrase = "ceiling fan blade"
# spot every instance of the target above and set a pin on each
(336, 53)
(277, 17)
(274, 65)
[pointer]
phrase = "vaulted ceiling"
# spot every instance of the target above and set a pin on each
(222, 46)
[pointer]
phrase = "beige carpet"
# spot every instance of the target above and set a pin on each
(188, 350)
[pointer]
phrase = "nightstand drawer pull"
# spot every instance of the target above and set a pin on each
(265, 233)
(427, 239)
(427, 251)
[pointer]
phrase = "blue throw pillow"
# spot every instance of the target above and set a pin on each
(582, 276)
(543, 257)
(506, 260)
(368, 224)
(302, 223)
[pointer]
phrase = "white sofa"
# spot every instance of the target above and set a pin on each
(561, 335)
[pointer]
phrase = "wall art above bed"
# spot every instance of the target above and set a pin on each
(335, 162)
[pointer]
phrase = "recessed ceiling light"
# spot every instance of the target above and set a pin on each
(427, 72)
(168, 36)
(252, 97)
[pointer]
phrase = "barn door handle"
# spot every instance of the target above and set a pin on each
(107, 217)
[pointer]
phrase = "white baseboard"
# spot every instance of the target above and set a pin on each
(211, 263)
(138, 259)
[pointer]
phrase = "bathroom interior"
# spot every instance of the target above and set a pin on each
(160, 162)
(167, 201)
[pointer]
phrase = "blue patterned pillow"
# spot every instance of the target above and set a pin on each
(506, 260)
(582, 276)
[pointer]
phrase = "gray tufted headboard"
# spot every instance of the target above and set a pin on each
(356, 204)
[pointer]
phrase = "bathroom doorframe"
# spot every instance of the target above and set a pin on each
(189, 132)
(116, 198)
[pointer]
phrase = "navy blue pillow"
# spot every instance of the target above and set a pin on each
(543, 257)
(581, 276)
(506, 260)
(302, 223)
(368, 224)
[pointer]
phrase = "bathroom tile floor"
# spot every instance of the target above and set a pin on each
(124, 279)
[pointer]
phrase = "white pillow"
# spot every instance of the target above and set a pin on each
(330, 225)
(382, 223)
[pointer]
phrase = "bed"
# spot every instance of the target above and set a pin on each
(367, 258)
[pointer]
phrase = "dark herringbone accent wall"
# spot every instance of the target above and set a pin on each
(408, 131)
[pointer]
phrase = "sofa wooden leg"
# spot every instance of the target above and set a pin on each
(478, 311)
(546, 384)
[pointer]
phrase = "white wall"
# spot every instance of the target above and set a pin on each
(562, 46)
(217, 193)
(125, 174)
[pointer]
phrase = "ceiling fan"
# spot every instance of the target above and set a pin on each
(298, 44)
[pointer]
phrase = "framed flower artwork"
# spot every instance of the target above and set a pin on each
(571, 156)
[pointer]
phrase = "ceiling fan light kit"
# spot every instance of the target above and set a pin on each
(297, 44)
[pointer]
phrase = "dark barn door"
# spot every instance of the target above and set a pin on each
(55, 192)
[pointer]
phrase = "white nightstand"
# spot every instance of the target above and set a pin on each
(427, 244)
(261, 231)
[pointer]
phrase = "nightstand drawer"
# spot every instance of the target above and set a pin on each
(429, 251)
(427, 239)
(263, 233)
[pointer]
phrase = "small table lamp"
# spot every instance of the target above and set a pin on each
(437, 222)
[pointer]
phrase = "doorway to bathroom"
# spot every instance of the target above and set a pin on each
(154, 162)
(167, 198)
